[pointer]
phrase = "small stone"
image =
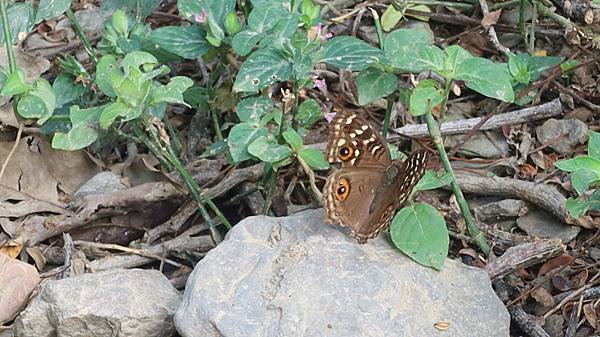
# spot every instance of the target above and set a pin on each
(120, 302)
(541, 224)
(296, 276)
(563, 135)
(554, 325)
(103, 182)
(502, 209)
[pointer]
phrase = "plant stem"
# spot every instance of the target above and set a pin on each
(474, 231)
(7, 38)
(388, 115)
(452, 4)
(378, 28)
(81, 34)
(215, 120)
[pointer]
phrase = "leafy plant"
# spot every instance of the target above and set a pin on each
(585, 178)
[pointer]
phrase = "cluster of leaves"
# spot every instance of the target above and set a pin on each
(585, 178)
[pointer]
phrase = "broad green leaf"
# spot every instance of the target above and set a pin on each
(518, 69)
(425, 97)
(261, 69)
(582, 178)
(537, 65)
(406, 49)
(39, 102)
(314, 158)
(145, 7)
(419, 231)
(487, 78)
(350, 53)
(197, 97)
(67, 89)
(455, 55)
(432, 180)
(309, 112)
(302, 66)
(267, 150)
(120, 22)
(594, 144)
(106, 70)
(263, 18)
(186, 41)
(293, 139)
(49, 9)
(373, 83)
(84, 129)
(252, 109)
(21, 18)
(581, 162)
(244, 41)
(111, 112)
(134, 60)
(15, 84)
(240, 136)
(390, 18)
(576, 207)
(232, 23)
(172, 92)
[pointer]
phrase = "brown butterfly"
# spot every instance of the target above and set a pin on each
(366, 191)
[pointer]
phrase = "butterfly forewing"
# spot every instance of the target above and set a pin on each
(353, 142)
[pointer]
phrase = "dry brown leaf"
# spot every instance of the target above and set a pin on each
(557, 262)
(12, 248)
(590, 315)
(491, 19)
(37, 256)
(543, 297)
(17, 281)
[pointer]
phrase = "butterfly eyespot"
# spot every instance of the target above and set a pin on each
(342, 190)
(346, 153)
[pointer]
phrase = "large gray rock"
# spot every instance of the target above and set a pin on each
(297, 276)
(116, 303)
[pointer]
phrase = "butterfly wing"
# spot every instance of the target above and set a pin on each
(354, 142)
(365, 200)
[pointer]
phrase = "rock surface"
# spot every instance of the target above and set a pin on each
(297, 276)
(123, 303)
(541, 224)
(563, 135)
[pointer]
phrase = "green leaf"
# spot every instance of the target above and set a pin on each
(390, 18)
(111, 112)
(39, 102)
(577, 207)
(232, 23)
(350, 53)
(487, 78)
(267, 150)
(262, 68)
(537, 65)
(432, 180)
(15, 84)
(21, 18)
(309, 112)
(138, 59)
(214, 149)
(407, 50)
(172, 92)
(252, 109)
(84, 129)
(68, 90)
(197, 97)
(455, 55)
(120, 22)
(518, 69)
(302, 66)
(581, 162)
(293, 138)
(582, 178)
(244, 41)
(419, 231)
(186, 41)
(240, 136)
(373, 83)
(49, 9)
(106, 70)
(263, 18)
(594, 144)
(425, 97)
(314, 158)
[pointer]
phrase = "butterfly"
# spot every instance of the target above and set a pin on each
(366, 191)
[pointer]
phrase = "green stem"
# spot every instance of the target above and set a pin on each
(474, 231)
(82, 37)
(532, 32)
(216, 125)
(388, 115)
(459, 5)
(8, 38)
(502, 5)
(378, 28)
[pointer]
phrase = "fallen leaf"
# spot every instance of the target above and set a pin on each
(590, 315)
(490, 19)
(12, 248)
(557, 262)
(543, 297)
(17, 281)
